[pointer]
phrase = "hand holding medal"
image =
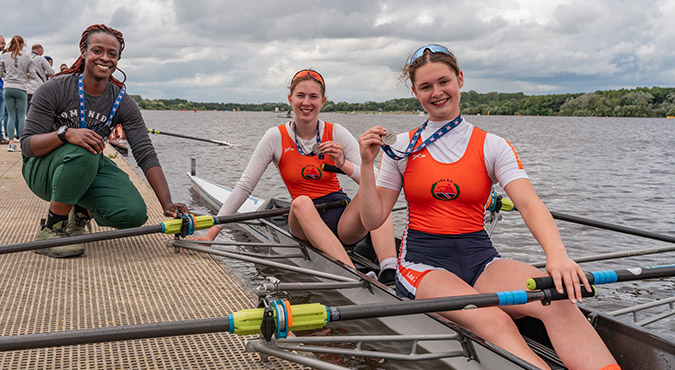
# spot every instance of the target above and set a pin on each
(333, 150)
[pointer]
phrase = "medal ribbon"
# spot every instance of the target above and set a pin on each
(83, 122)
(436, 135)
(299, 147)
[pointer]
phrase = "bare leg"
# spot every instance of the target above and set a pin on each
(491, 323)
(58, 208)
(383, 239)
(351, 230)
(305, 223)
(574, 339)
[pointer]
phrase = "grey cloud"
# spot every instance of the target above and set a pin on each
(245, 52)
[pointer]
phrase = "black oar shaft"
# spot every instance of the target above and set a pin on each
(163, 329)
(86, 238)
(612, 227)
(222, 324)
(187, 137)
(273, 212)
(144, 230)
(610, 276)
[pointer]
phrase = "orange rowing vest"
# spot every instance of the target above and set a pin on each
(447, 198)
(303, 174)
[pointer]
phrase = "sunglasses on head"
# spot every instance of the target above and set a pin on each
(434, 48)
(314, 74)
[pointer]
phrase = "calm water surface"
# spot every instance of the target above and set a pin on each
(616, 170)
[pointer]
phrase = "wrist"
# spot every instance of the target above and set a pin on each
(61, 134)
(344, 160)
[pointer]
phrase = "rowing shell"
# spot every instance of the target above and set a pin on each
(632, 346)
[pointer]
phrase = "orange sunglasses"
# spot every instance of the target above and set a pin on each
(314, 74)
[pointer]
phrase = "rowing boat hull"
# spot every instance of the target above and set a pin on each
(633, 347)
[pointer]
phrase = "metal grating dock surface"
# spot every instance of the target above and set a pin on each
(117, 282)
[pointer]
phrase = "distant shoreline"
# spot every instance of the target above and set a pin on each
(639, 102)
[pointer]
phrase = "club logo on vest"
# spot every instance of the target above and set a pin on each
(311, 172)
(445, 190)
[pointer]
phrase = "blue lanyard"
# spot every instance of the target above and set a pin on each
(436, 135)
(297, 144)
(83, 122)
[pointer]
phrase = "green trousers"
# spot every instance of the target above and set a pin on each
(71, 174)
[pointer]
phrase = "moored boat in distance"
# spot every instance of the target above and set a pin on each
(633, 346)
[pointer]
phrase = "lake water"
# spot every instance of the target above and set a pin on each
(616, 170)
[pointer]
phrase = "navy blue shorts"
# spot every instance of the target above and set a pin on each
(465, 255)
(332, 216)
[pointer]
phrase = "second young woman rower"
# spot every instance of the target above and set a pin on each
(290, 147)
(447, 167)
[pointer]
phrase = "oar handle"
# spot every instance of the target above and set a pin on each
(331, 168)
(610, 276)
(507, 298)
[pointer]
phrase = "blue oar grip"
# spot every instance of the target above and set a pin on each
(513, 297)
(604, 277)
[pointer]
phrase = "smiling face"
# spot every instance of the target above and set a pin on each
(437, 86)
(101, 56)
(306, 99)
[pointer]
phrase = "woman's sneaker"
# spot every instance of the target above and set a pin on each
(58, 231)
(11, 148)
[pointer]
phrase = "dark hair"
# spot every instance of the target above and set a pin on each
(307, 77)
(408, 71)
(78, 66)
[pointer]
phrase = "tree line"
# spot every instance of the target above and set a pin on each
(639, 102)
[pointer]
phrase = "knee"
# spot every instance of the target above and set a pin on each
(132, 215)
(302, 206)
(557, 310)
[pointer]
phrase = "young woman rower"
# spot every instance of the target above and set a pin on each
(63, 143)
(292, 148)
(447, 167)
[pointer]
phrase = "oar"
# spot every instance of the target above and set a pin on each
(277, 319)
(184, 226)
(615, 255)
(331, 168)
(152, 131)
(612, 227)
(610, 276)
(507, 205)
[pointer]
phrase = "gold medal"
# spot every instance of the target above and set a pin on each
(389, 138)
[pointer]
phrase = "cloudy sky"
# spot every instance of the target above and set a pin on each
(236, 51)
